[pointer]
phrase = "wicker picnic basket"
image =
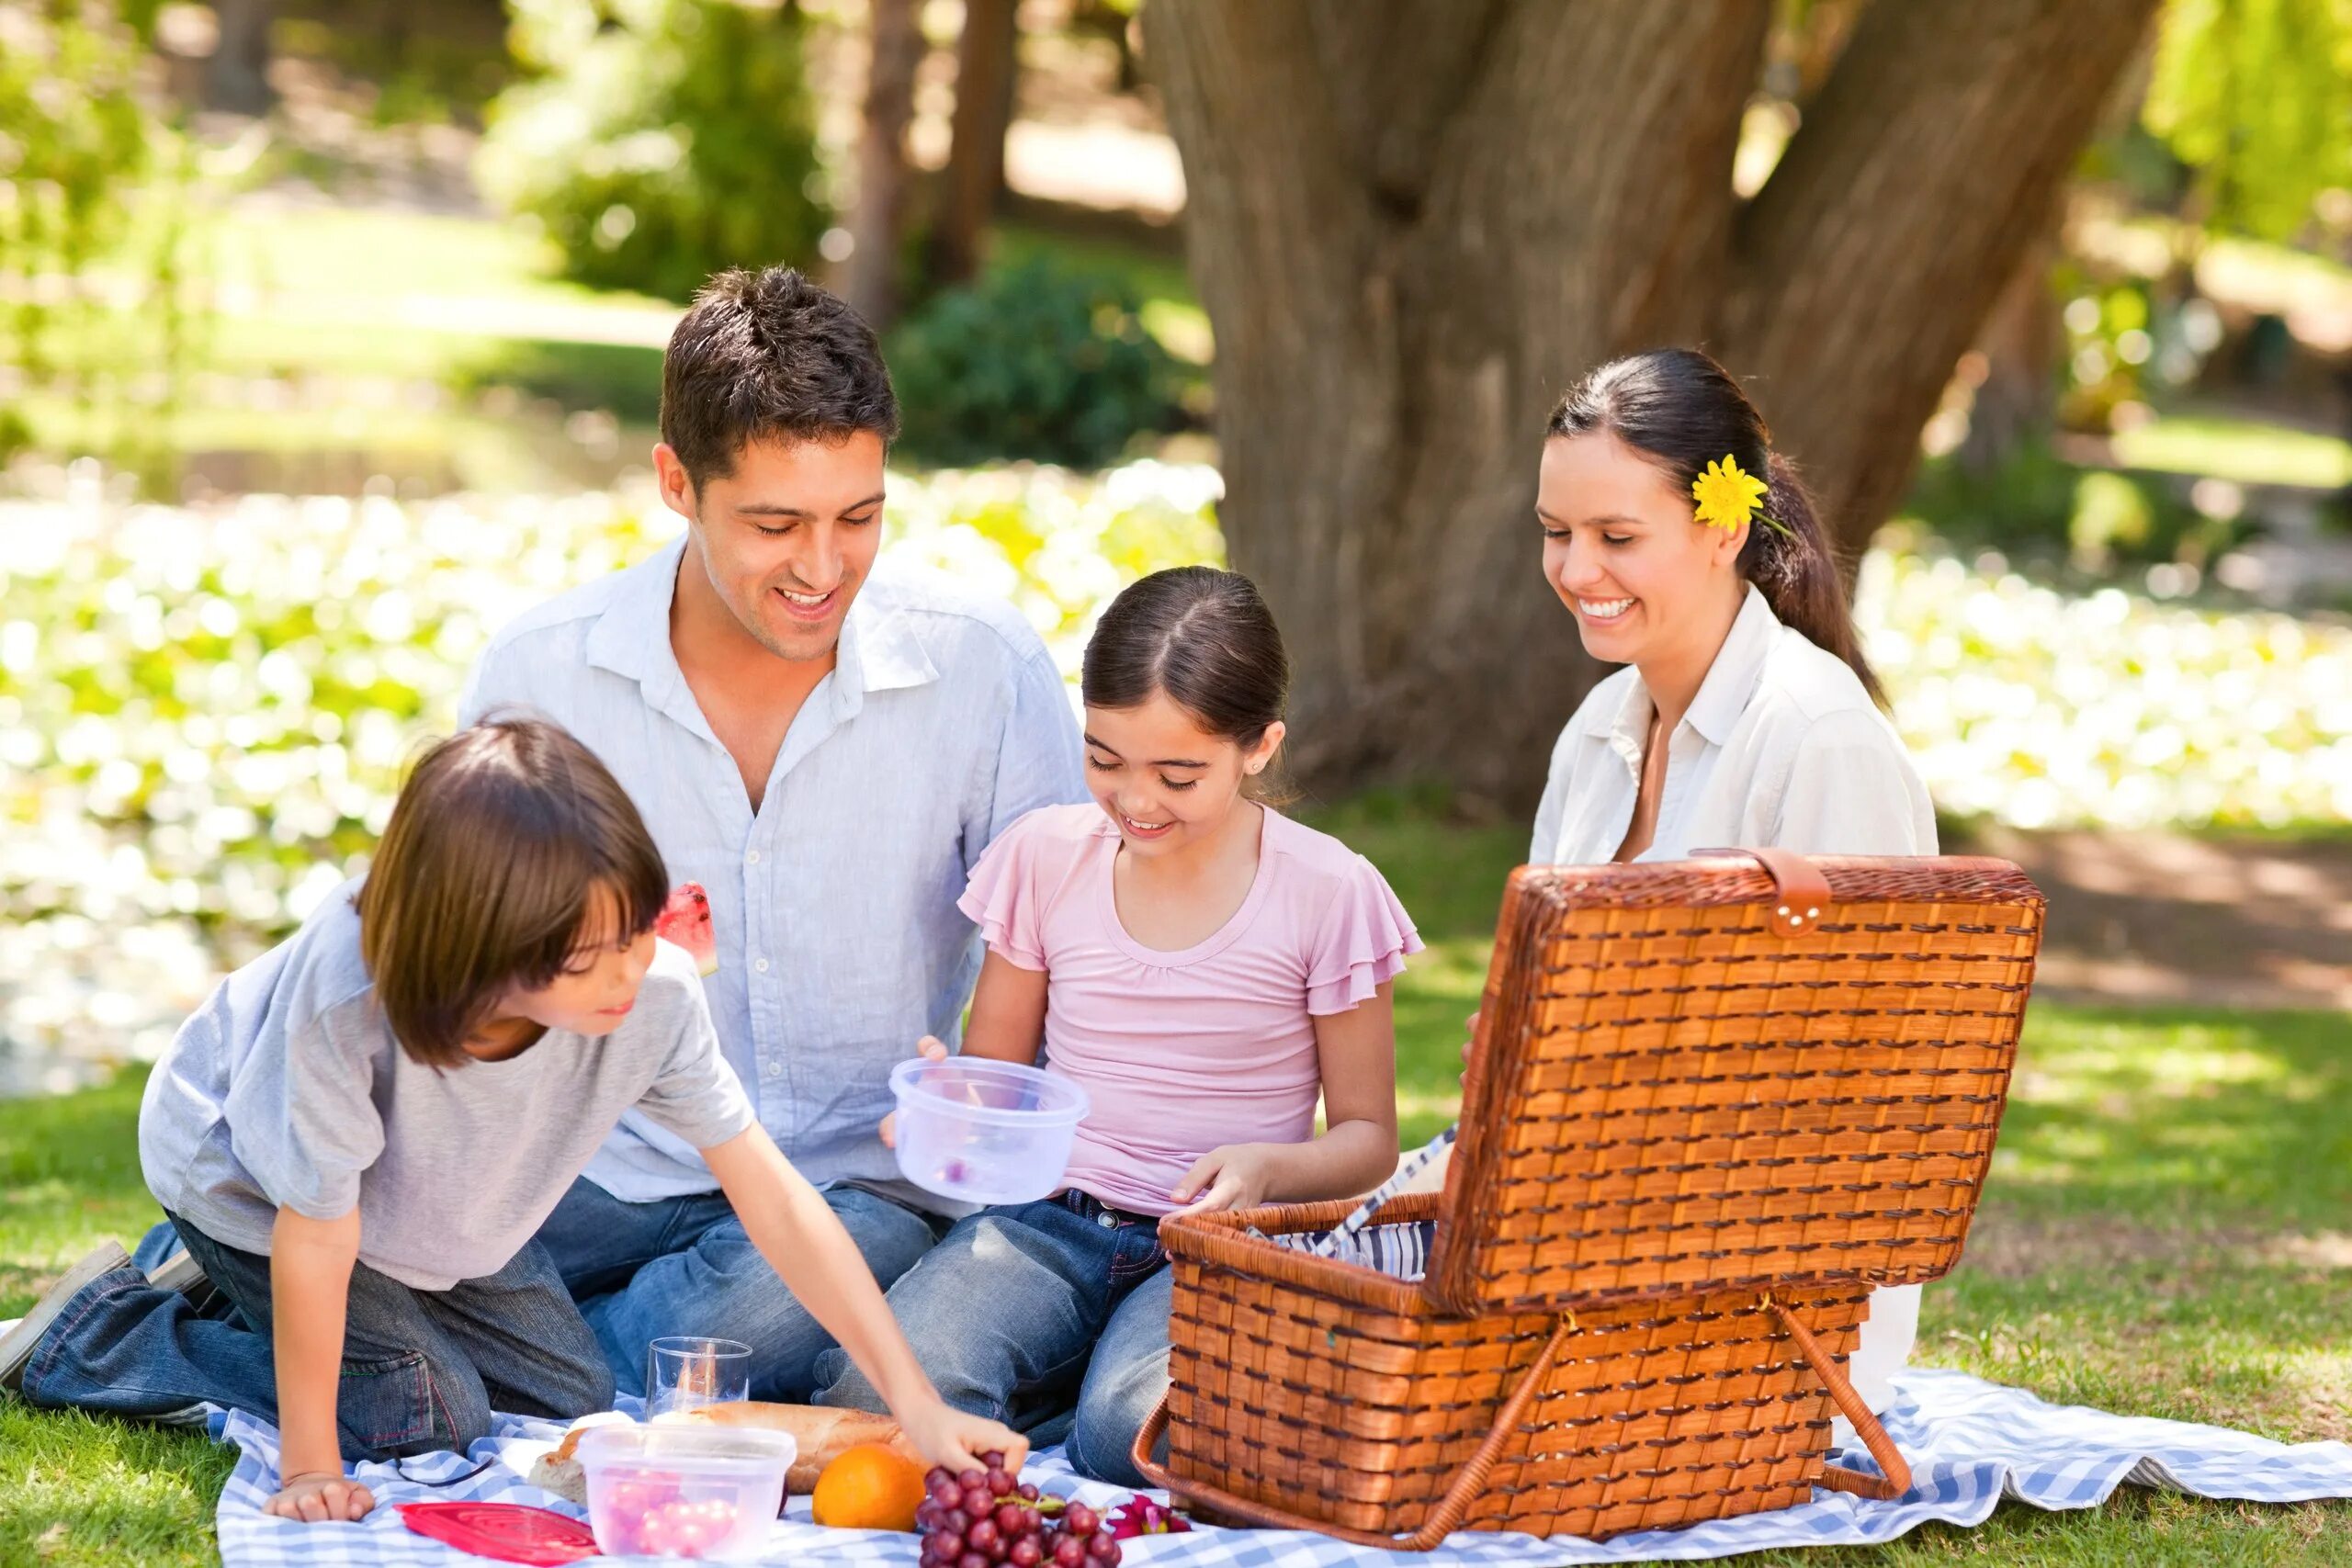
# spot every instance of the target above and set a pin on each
(1710, 1105)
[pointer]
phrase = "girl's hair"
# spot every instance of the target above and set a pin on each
(1202, 636)
(1682, 410)
(507, 839)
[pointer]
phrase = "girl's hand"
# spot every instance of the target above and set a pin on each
(946, 1436)
(319, 1497)
(930, 1050)
(1236, 1176)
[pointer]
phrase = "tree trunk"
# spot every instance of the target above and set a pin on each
(238, 76)
(2022, 341)
(1413, 225)
(987, 62)
(877, 225)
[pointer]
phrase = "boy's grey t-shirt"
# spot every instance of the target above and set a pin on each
(287, 1089)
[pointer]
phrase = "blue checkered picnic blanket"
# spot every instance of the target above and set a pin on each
(1970, 1444)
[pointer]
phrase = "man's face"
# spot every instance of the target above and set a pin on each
(788, 537)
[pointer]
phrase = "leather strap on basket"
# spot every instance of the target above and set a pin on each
(1799, 891)
(1471, 1479)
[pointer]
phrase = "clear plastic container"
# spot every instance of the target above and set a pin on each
(684, 1491)
(985, 1131)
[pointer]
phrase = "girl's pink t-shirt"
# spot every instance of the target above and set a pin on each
(1183, 1052)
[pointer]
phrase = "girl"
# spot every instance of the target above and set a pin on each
(1688, 551)
(358, 1135)
(1204, 967)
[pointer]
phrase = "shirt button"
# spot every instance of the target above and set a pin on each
(753, 858)
(761, 964)
(775, 1069)
(1108, 1221)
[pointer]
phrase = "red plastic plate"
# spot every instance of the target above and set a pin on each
(510, 1533)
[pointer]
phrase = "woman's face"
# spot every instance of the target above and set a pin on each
(1625, 553)
(1165, 782)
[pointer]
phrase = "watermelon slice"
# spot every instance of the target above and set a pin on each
(685, 920)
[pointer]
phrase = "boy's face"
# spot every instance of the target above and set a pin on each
(598, 984)
(785, 539)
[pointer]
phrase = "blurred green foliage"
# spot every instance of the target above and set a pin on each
(94, 224)
(660, 140)
(1034, 360)
(2040, 508)
(2257, 97)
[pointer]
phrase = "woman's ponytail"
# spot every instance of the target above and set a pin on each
(1797, 571)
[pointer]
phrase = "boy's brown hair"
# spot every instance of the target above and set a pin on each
(504, 842)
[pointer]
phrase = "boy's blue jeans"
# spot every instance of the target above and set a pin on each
(422, 1369)
(1022, 1302)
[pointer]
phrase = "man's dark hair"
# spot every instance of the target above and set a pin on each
(769, 356)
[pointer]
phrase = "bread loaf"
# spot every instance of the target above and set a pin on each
(820, 1434)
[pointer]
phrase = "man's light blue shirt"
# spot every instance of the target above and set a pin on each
(840, 945)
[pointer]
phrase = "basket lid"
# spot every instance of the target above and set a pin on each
(1742, 1070)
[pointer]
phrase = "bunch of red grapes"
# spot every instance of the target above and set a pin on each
(981, 1519)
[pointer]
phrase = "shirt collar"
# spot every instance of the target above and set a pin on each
(880, 649)
(1723, 695)
(1739, 665)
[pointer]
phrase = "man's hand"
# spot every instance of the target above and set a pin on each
(320, 1496)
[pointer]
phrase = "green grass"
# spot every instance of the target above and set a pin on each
(2168, 1231)
(2244, 451)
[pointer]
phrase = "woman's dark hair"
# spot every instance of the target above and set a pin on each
(504, 841)
(1682, 410)
(1203, 636)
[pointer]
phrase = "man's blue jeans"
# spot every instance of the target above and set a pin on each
(641, 1271)
(1021, 1304)
(422, 1369)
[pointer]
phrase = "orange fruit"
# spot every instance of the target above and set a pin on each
(869, 1487)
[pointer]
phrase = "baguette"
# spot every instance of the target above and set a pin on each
(820, 1434)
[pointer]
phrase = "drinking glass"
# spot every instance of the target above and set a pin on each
(683, 1373)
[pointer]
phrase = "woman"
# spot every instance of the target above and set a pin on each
(1688, 552)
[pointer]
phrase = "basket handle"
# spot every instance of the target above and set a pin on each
(1471, 1479)
(1837, 1478)
(1799, 887)
(1443, 1519)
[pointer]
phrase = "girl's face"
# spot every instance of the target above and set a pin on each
(1626, 554)
(1162, 778)
(598, 984)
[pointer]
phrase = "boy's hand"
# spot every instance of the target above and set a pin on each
(946, 1436)
(320, 1497)
(1233, 1176)
(930, 1050)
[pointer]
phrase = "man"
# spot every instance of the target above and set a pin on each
(826, 748)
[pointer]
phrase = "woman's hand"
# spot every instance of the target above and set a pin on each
(1469, 1041)
(321, 1496)
(1236, 1176)
(932, 1050)
(946, 1436)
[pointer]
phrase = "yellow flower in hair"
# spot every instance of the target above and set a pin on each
(1726, 494)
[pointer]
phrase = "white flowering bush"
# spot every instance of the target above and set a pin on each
(2041, 709)
(204, 711)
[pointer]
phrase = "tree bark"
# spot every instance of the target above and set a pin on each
(237, 78)
(987, 62)
(869, 280)
(1413, 225)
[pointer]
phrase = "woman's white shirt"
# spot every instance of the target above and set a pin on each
(1782, 747)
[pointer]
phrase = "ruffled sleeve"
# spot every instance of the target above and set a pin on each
(1360, 944)
(1003, 899)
